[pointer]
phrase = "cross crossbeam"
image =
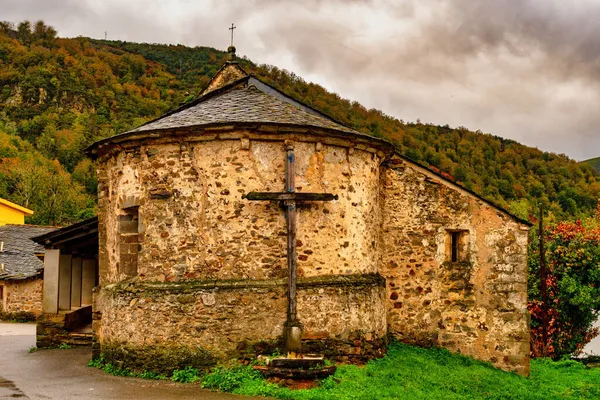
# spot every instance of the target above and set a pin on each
(293, 327)
(231, 29)
(282, 196)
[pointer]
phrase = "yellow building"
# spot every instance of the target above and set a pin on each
(11, 213)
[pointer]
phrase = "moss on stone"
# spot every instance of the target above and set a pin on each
(164, 358)
(233, 284)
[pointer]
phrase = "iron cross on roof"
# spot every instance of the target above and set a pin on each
(289, 198)
(231, 29)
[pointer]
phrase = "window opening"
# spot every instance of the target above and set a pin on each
(454, 237)
(129, 241)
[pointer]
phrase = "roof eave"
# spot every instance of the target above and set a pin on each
(22, 277)
(52, 237)
(17, 207)
(212, 128)
(90, 151)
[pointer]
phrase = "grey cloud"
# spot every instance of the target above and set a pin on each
(526, 70)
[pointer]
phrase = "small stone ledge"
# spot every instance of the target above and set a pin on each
(237, 284)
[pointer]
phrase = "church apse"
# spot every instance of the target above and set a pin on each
(211, 266)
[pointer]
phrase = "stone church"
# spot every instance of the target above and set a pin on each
(194, 251)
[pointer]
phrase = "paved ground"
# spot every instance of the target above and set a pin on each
(63, 374)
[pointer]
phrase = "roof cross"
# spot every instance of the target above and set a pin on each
(231, 29)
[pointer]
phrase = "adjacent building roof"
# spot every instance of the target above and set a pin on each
(81, 237)
(18, 251)
(17, 207)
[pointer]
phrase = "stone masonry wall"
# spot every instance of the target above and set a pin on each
(23, 295)
(196, 231)
(194, 223)
(167, 326)
(475, 305)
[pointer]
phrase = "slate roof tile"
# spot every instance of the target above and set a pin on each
(242, 104)
(19, 251)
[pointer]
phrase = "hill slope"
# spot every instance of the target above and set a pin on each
(594, 163)
(58, 96)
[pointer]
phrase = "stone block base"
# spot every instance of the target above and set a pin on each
(167, 326)
(50, 330)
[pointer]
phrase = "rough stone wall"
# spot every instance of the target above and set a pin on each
(231, 72)
(195, 228)
(194, 223)
(203, 279)
(476, 305)
(23, 296)
(201, 323)
(50, 330)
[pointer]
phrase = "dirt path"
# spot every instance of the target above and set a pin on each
(64, 375)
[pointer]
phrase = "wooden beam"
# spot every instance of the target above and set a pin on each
(283, 196)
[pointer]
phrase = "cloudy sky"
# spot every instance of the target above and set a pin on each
(528, 70)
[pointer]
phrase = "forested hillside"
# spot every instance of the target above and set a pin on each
(57, 96)
(594, 163)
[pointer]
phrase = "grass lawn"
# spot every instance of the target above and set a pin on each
(413, 373)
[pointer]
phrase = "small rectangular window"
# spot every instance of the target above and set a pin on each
(129, 241)
(455, 236)
(457, 246)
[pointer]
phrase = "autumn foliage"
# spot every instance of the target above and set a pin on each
(573, 262)
(58, 95)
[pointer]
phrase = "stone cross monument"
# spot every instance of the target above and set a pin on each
(293, 327)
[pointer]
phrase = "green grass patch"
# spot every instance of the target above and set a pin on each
(414, 373)
(112, 369)
(186, 375)
(408, 372)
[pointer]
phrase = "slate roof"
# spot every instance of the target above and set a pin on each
(249, 100)
(19, 251)
(246, 101)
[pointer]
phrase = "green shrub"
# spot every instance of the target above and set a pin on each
(573, 287)
(151, 375)
(186, 375)
(117, 371)
(229, 379)
(97, 362)
(110, 368)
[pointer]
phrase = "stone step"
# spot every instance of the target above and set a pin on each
(79, 339)
(80, 335)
